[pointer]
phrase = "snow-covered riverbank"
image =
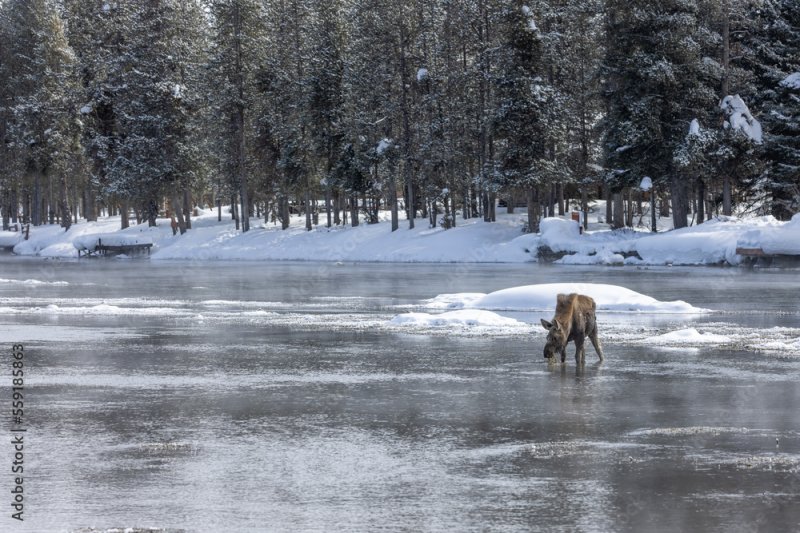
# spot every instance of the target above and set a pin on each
(472, 241)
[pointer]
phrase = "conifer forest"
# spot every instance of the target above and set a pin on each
(435, 110)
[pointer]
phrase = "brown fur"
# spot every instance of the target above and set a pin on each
(574, 321)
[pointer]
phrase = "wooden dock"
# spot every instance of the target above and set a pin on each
(103, 250)
(758, 257)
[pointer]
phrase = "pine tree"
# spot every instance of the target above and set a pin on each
(45, 125)
(775, 62)
(520, 121)
(654, 90)
(238, 47)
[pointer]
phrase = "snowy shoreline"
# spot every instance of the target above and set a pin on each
(714, 242)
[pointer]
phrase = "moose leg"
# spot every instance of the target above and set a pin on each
(564, 355)
(580, 350)
(596, 343)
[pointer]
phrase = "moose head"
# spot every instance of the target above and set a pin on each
(556, 338)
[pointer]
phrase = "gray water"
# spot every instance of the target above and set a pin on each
(277, 397)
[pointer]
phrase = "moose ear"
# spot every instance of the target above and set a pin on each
(556, 324)
(547, 325)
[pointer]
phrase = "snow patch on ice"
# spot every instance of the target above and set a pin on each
(688, 336)
(33, 282)
(462, 317)
(686, 431)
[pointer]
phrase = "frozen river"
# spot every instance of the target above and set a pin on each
(279, 397)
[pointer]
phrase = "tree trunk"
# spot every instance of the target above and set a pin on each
(187, 208)
(309, 227)
(285, 213)
(407, 157)
(534, 210)
(354, 210)
(123, 211)
(560, 198)
(653, 217)
(51, 204)
(393, 202)
(701, 200)
(89, 204)
(337, 207)
(177, 210)
(510, 201)
(619, 211)
(585, 207)
(239, 122)
(726, 196)
(328, 204)
(679, 192)
(6, 208)
(629, 214)
(14, 207)
(152, 213)
(37, 200)
(235, 211)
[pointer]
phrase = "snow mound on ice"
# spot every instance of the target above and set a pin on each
(462, 317)
(543, 297)
(689, 336)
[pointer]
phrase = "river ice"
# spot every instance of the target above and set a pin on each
(227, 397)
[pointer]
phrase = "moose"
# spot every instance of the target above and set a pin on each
(574, 321)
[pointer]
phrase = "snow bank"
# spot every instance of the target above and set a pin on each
(715, 241)
(560, 235)
(543, 298)
(8, 239)
(603, 247)
(471, 241)
(603, 257)
(774, 237)
(463, 317)
(688, 336)
(712, 242)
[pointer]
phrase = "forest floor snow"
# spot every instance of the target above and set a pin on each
(471, 241)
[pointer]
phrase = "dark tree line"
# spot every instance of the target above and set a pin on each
(340, 109)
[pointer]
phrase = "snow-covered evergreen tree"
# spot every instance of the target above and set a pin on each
(525, 150)
(238, 49)
(654, 60)
(44, 127)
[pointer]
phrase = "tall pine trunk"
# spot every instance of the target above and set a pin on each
(123, 212)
